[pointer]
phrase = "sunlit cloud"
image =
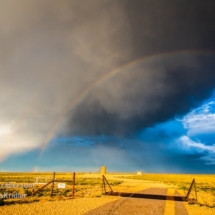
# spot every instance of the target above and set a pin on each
(5, 130)
(190, 144)
(200, 120)
(200, 123)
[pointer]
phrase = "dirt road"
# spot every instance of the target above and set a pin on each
(138, 206)
(107, 205)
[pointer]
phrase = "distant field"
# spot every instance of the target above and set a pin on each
(203, 181)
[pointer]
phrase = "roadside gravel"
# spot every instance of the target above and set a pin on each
(67, 207)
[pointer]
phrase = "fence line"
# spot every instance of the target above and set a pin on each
(149, 196)
(53, 181)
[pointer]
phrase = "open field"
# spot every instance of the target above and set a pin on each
(88, 193)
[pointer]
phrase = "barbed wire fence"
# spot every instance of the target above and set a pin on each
(79, 185)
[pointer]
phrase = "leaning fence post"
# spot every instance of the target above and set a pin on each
(195, 190)
(53, 183)
(33, 192)
(189, 191)
(73, 185)
(108, 184)
(104, 183)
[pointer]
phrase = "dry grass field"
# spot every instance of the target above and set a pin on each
(88, 193)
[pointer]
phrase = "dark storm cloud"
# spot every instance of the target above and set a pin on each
(159, 26)
(154, 92)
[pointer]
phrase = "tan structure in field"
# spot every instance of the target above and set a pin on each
(139, 173)
(103, 170)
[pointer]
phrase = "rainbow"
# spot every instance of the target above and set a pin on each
(35, 169)
(106, 77)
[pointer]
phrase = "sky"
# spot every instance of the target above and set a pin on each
(125, 84)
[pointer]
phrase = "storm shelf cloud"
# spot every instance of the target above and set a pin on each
(146, 94)
(104, 76)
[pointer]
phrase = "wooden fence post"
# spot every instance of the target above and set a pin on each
(33, 192)
(73, 185)
(108, 184)
(53, 183)
(189, 191)
(104, 183)
(195, 191)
